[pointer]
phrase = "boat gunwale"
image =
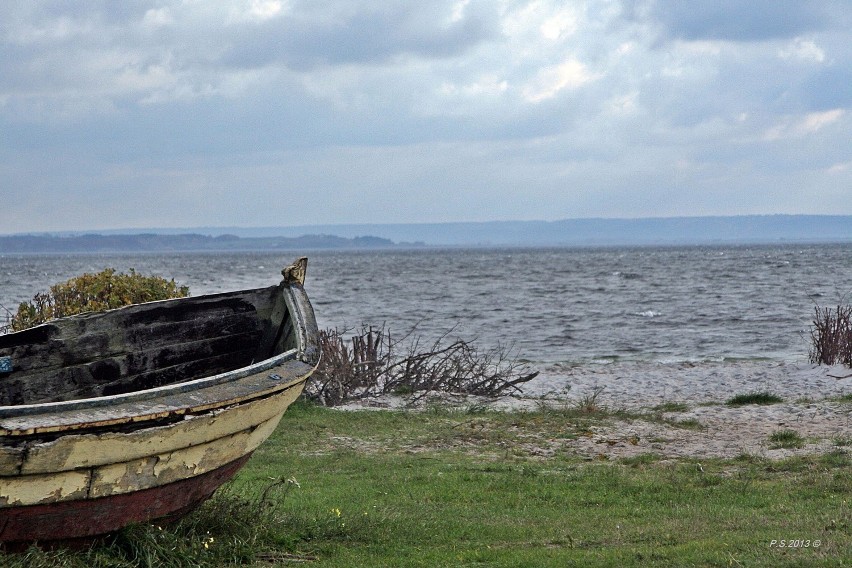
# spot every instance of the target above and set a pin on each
(147, 394)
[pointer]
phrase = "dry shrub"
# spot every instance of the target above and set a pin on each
(371, 362)
(831, 336)
(347, 366)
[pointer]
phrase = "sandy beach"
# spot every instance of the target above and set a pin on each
(811, 407)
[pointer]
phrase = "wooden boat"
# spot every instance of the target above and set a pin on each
(140, 413)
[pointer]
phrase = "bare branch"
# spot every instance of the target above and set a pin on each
(831, 336)
(378, 364)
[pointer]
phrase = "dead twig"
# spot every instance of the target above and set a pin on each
(372, 362)
(276, 557)
(831, 336)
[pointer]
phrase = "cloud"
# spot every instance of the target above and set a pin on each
(840, 168)
(182, 50)
(349, 33)
(802, 49)
(158, 17)
(587, 106)
(797, 127)
(549, 81)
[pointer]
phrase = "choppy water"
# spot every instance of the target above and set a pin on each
(553, 305)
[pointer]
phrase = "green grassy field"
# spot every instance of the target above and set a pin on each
(483, 488)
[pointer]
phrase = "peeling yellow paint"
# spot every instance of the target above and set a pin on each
(152, 470)
(10, 460)
(77, 451)
(33, 490)
(187, 462)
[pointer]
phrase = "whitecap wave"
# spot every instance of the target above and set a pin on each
(649, 314)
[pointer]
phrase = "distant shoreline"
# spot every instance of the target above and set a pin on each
(188, 242)
(580, 232)
(272, 245)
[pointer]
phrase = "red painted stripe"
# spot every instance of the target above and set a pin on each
(87, 518)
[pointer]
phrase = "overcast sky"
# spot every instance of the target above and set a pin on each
(287, 112)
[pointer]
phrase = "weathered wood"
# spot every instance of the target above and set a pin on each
(97, 344)
(134, 475)
(134, 371)
(92, 450)
(89, 355)
(126, 409)
(150, 407)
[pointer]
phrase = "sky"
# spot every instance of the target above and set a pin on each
(193, 113)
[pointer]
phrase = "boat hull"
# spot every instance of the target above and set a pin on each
(138, 414)
(123, 483)
(79, 521)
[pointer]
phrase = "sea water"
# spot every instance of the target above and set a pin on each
(549, 306)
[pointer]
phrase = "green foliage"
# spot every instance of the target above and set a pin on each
(763, 397)
(589, 404)
(105, 290)
(841, 441)
(672, 407)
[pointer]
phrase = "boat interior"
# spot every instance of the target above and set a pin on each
(143, 346)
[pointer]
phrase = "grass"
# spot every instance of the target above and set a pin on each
(842, 441)
(672, 407)
(786, 439)
(474, 488)
(763, 397)
(589, 404)
(687, 423)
